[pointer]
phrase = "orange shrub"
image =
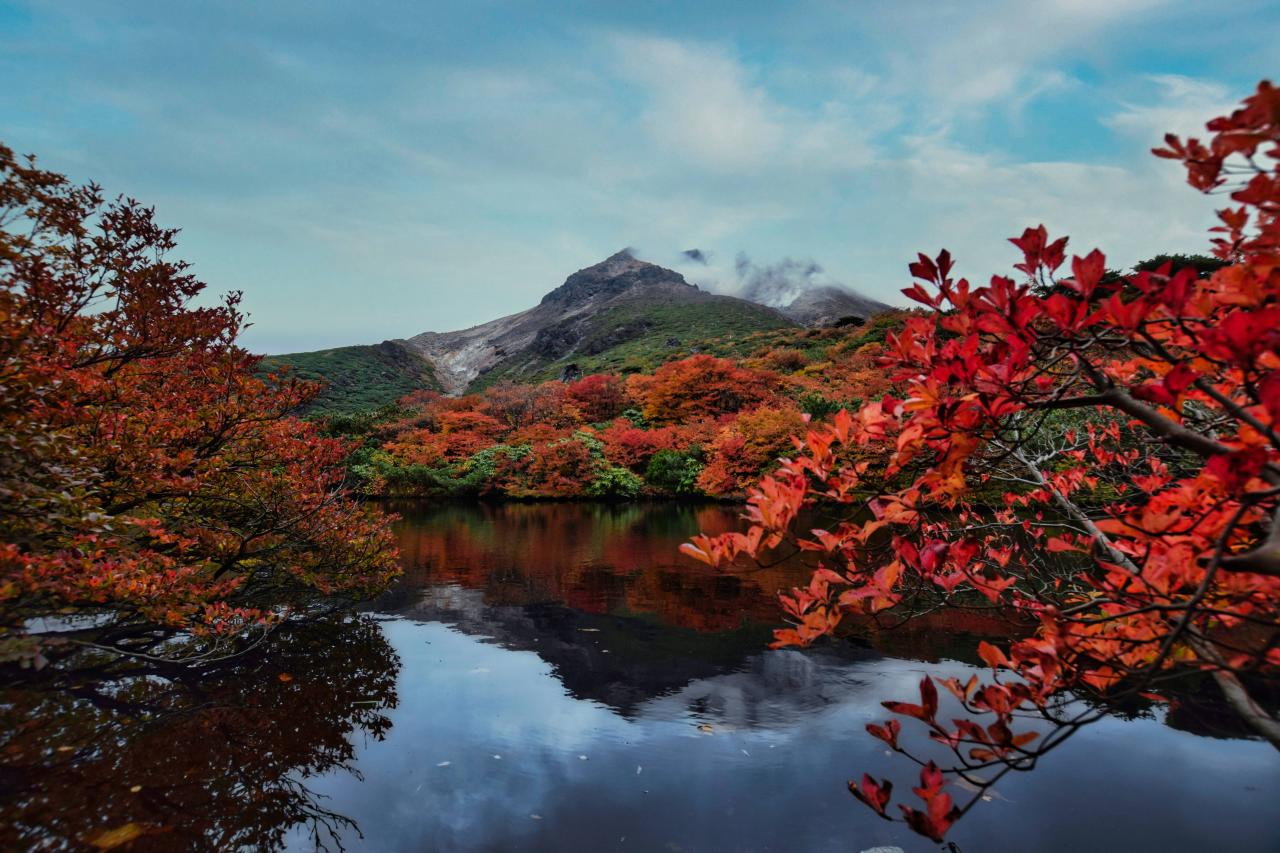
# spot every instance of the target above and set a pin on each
(631, 447)
(701, 386)
(748, 447)
(599, 397)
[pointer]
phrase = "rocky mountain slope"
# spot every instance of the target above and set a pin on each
(357, 378)
(602, 308)
(622, 314)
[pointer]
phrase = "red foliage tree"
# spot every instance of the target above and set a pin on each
(701, 386)
(752, 443)
(150, 480)
(600, 397)
(632, 447)
(525, 405)
(559, 469)
(1133, 432)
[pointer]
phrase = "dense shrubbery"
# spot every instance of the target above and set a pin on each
(698, 426)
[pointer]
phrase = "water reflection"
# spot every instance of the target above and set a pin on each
(490, 752)
(571, 684)
(175, 758)
(556, 677)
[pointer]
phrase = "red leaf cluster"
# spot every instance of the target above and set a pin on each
(1134, 425)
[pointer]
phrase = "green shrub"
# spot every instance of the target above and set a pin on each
(615, 482)
(673, 471)
(819, 405)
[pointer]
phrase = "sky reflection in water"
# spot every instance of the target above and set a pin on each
(540, 708)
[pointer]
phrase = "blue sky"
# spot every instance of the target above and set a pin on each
(373, 170)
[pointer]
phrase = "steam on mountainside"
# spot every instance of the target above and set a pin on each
(799, 289)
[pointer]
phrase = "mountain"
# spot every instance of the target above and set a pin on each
(358, 377)
(827, 305)
(620, 315)
(618, 310)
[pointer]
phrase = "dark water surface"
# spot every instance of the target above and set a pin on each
(558, 677)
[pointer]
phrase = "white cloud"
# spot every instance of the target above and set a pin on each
(705, 108)
(1178, 105)
(1131, 211)
(315, 173)
(702, 105)
(964, 55)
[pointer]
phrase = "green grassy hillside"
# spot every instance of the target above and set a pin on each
(357, 378)
(640, 336)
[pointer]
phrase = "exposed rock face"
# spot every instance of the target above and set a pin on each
(556, 340)
(614, 276)
(616, 334)
(829, 305)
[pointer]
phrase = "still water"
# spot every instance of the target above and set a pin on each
(557, 677)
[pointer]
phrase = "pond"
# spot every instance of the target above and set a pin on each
(558, 677)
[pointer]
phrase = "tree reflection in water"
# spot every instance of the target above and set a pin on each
(215, 758)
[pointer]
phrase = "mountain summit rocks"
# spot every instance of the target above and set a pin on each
(617, 275)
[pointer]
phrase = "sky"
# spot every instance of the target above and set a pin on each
(371, 170)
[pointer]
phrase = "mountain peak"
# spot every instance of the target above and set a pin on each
(625, 254)
(615, 275)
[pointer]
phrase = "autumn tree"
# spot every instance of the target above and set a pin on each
(1140, 538)
(751, 444)
(600, 397)
(700, 386)
(151, 482)
(524, 405)
(632, 447)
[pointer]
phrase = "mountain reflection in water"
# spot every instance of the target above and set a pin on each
(558, 677)
(572, 683)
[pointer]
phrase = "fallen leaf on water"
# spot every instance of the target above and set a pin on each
(113, 838)
(135, 789)
(705, 729)
(285, 677)
(987, 796)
